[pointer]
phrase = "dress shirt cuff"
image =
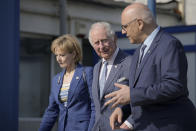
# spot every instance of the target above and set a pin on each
(129, 125)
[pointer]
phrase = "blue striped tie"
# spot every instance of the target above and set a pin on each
(141, 54)
(102, 79)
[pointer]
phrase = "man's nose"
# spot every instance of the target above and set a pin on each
(123, 31)
(101, 44)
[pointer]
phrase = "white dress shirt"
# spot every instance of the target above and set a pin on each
(110, 63)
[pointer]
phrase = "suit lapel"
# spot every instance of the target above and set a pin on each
(74, 82)
(134, 66)
(96, 80)
(95, 85)
(114, 71)
(147, 55)
(59, 83)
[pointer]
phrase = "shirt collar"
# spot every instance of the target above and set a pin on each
(151, 37)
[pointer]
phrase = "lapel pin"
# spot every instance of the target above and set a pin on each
(77, 77)
(59, 80)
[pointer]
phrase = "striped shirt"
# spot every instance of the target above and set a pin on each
(64, 93)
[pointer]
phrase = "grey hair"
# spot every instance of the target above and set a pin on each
(106, 26)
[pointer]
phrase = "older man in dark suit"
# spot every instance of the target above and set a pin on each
(158, 92)
(113, 67)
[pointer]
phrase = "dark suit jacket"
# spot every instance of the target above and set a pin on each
(119, 69)
(158, 88)
(79, 113)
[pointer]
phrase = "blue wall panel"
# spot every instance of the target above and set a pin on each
(172, 30)
(9, 57)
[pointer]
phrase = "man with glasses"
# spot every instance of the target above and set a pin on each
(113, 67)
(157, 90)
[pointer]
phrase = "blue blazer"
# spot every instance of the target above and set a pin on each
(79, 113)
(158, 88)
(119, 69)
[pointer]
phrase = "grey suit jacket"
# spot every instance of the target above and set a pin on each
(158, 88)
(119, 69)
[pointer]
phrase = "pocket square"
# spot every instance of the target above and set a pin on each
(122, 79)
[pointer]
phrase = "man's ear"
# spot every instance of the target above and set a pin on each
(141, 24)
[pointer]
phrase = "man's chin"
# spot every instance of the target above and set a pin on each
(105, 57)
(130, 40)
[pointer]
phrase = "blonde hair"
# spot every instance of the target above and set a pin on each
(68, 43)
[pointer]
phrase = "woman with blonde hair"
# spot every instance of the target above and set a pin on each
(70, 98)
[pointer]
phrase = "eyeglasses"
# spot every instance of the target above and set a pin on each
(124, 27)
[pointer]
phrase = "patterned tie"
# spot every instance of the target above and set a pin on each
(102, 79)
(141, 54)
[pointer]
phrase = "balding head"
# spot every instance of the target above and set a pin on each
(137, 22)
(139, 11)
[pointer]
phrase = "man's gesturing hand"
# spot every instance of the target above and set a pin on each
(121, 96)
